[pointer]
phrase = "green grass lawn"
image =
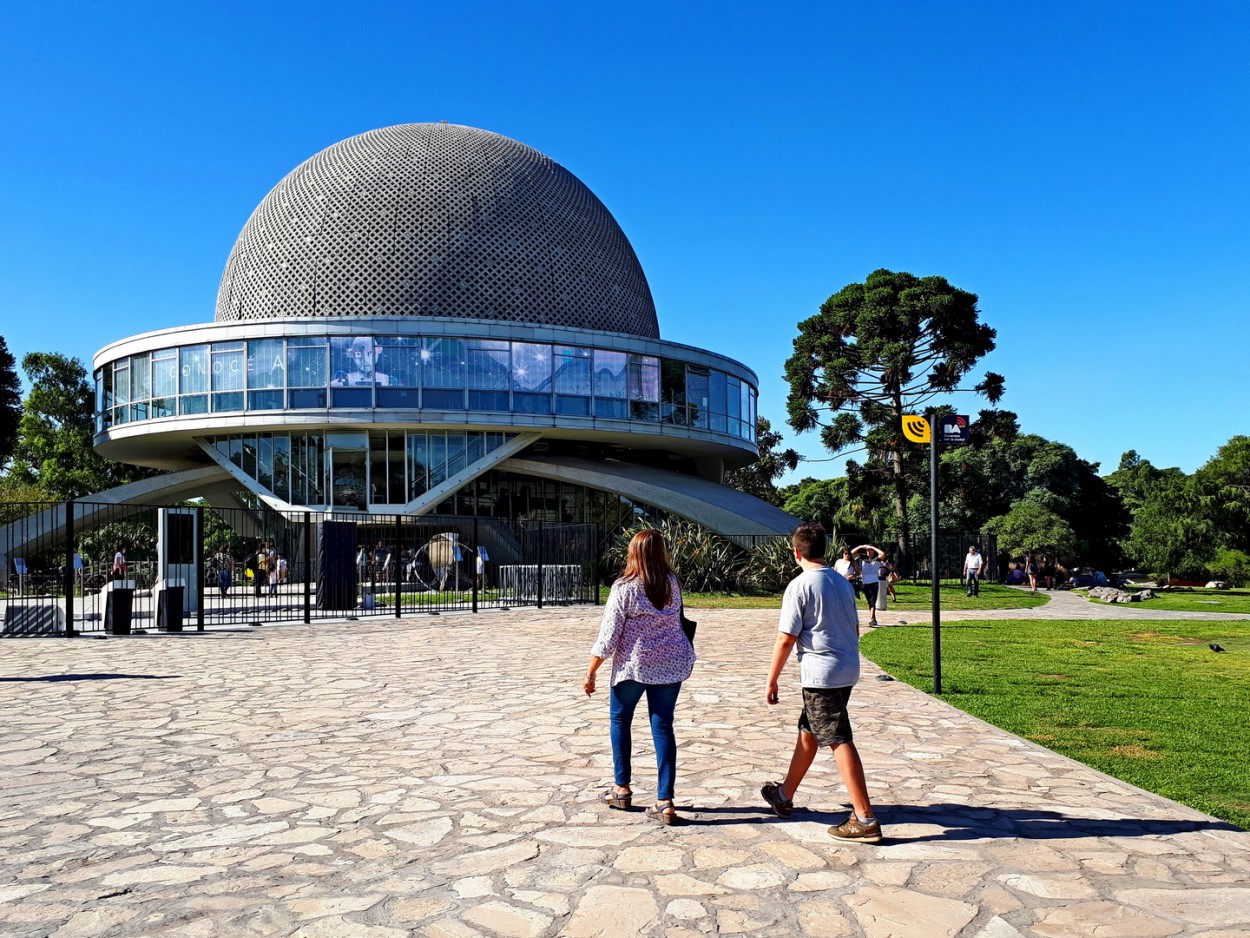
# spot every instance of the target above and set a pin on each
(911, 597)
(1199, 600)
(1145, 701)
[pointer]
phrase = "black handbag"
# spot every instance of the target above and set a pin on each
(688, 626)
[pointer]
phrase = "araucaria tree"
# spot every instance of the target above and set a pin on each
(878, 350)
(10, 402)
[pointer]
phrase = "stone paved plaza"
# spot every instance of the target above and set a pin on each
(439, 776)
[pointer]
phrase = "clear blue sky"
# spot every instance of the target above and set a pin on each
(1082, 166)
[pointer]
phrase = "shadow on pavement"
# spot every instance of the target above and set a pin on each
(964, 822)
(967, 822)
(48, 678)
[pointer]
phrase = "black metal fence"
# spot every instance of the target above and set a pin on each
(196, 567)
(914, 561)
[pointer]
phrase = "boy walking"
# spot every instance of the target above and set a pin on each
(818, 615)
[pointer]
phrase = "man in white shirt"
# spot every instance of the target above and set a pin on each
(973, 564)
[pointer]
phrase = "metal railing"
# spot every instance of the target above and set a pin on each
(250, 566)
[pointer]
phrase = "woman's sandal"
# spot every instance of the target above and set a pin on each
(614, 799)
(663, 812)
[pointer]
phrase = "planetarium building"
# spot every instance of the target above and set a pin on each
(435, 319)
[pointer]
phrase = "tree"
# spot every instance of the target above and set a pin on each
(1223, 488)
(1171, 535)
(1231, 566)
(878, 350)
(979, 482)
(54, 447)
(827, 501)
(1031, 528)
(760, 477)
(1181, 523)
(10, 402)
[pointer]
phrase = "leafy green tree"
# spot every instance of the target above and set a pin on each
(983, 481)
(1232, 566)
(1031, 528)
(10, 402)
(1223, 488)
(19, 499)
(830, 502)
(54, 447)
(820, 500)
(760, 477)
(1135, 479)
(878, 350)
(1181, 523)
(1171, 535)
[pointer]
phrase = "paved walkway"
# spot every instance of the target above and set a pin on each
(438, 776)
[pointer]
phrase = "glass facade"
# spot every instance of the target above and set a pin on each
(355, 470)
(394, 466)
(416, 373)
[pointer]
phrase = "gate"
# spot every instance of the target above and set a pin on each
(195, 567)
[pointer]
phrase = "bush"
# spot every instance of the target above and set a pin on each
(706, 562)
(1232, 566)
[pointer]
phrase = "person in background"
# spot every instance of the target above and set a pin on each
(891, 577)
(818, 617)
(641, 632)
(260, 568)
(275, 564)
(224, 565)
(119, 563)
(847, 567)
(1031, 570)
(872, 570)
(973, 564)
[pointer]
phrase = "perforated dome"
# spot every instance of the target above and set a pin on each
(436, 220)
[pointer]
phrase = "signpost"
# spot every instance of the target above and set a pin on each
(951, 429)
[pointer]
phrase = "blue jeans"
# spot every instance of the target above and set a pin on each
(661, 702)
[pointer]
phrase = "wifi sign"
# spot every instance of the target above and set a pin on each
(916, 428)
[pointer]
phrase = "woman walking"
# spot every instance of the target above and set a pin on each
(1031, 570)
(641, 632)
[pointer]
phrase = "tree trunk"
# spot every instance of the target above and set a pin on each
(900, 505)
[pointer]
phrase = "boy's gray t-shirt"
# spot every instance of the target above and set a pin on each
(819, 607)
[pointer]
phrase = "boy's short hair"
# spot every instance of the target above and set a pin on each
(810, 540)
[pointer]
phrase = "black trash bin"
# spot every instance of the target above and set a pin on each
(117, 611)
(169, 609)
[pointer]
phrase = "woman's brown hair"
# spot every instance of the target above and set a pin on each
(647, 560)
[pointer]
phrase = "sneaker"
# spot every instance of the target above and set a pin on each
(772, 794)
(865, 832)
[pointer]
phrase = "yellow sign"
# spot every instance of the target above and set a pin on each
(916, 429)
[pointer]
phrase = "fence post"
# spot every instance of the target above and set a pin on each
(70, 574)
(596, 558)
(307, 567)
(477, 547)
(199, 568)
(539, 585)
(395, 564)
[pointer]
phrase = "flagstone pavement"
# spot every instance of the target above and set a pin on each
(439, 776)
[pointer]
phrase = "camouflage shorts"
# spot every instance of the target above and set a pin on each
(824, 715)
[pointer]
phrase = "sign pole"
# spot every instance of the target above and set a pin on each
(934, 573)
(952, 428)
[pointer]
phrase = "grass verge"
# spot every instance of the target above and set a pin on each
(1199, 600)
(911, 597)
(1145, 701)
